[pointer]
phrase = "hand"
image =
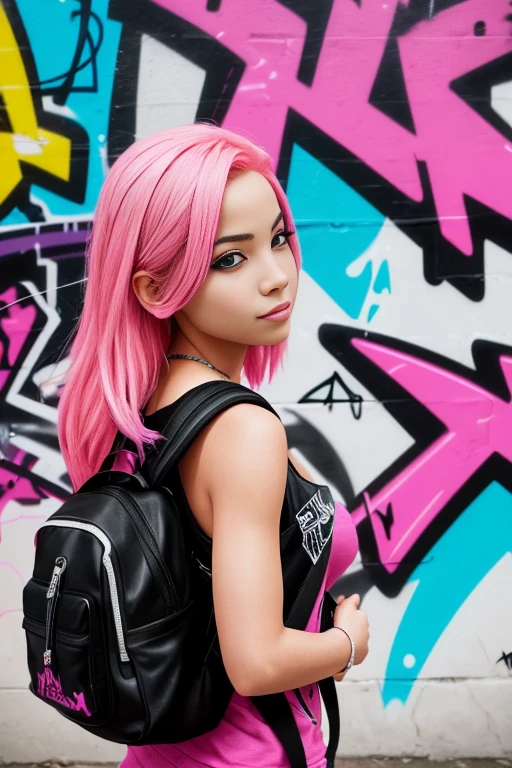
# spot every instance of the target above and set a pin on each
(349, 617)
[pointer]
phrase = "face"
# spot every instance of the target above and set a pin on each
(252, 272)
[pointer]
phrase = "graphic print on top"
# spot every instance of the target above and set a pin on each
(316, 522)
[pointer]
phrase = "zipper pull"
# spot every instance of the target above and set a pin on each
(60, 567)
(51, 597)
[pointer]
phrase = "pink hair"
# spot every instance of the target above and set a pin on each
(158, 211)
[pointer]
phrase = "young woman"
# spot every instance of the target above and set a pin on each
(192, 277)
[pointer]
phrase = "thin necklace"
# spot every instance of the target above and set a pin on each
(198, 360)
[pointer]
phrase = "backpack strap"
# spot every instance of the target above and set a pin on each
(330, 697)
(277, 713)
(275, 710)
(196, 409)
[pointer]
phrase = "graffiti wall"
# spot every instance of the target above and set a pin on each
(390, 123)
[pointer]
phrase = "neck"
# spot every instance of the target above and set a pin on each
(225, 356)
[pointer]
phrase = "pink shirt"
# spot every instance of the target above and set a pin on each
(243, 739)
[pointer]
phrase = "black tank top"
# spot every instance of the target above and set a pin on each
(306, 526)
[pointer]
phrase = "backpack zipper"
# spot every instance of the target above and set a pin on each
(52, 596)
(304, 706)
(161, 572)
(107, 563)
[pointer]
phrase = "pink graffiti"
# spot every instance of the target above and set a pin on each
(464, 154)
(10, 566)
(478, 424)
(16, 488)
(15, 324)
(26, 491)
(50, 687)
(9, 610)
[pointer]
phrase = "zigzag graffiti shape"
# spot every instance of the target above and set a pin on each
(459, 426)
(353, 47)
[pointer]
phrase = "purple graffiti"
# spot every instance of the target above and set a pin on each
(50, 687)
(22, 242)
(448, 130)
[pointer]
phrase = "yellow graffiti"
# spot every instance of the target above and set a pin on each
(28, 142)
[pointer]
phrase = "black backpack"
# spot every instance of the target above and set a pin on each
(117, 613)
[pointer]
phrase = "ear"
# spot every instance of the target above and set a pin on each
(146, 291)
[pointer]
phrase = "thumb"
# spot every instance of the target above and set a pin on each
(356, 600)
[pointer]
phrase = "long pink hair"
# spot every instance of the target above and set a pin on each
(158, 211)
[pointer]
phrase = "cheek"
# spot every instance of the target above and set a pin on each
(216, 305)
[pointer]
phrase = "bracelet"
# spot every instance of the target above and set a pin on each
(352, 650)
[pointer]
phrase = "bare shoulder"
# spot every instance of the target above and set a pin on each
(247, 438)
(247, 420)
(240, 455)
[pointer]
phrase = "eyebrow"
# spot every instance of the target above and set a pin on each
(247, 236)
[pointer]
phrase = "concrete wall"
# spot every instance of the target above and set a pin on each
(390, 124)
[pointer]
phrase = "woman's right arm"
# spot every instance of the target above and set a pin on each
(244, 469)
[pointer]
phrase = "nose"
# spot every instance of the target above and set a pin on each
(273, 278)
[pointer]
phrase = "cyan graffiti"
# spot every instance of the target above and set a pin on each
(336, 226)
(54, 124)
(457, 564)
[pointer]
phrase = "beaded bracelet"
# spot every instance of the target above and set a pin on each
(352, 650)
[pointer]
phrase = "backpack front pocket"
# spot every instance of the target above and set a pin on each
(66, 668)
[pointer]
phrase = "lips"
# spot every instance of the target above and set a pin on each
(280, 308)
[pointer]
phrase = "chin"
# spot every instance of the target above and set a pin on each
(279, 335)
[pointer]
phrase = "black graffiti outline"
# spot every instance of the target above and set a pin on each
(419, 221)
(424, 428)
(142, 17)
(506, 658)
(62, 91)
(41, 486)
(319, 452)
(329, 400)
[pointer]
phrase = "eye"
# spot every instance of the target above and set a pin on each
(228, 260)
(281, 238)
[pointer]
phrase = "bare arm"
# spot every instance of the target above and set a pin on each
(244, 471)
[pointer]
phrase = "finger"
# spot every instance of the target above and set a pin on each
(356, 600)
(340, 599)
